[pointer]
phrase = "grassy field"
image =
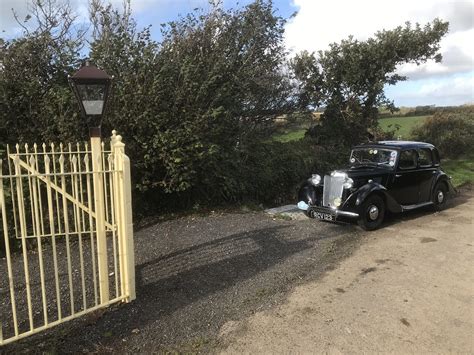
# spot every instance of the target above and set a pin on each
(406, 124)
(461, 170)
(294, 132)
(289, 135)
(291, 131)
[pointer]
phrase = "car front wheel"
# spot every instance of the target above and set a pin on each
(372, 213)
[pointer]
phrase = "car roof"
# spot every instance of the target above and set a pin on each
(396, 145)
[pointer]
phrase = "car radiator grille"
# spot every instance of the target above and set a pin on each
(333, 187)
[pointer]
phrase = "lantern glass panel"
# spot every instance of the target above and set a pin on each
(92, 97)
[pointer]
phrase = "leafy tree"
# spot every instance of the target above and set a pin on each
(349, 78)
(35, 102)
(191, 106)
(194, 101)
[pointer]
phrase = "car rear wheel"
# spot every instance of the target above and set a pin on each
(372, 213)
(440, 196)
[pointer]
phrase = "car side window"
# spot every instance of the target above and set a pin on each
(436, 158)
(424, 158)
(407, 159)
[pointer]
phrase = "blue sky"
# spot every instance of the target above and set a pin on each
(319, 23)
(163, 11)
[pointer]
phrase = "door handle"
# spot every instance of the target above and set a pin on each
(397, 175)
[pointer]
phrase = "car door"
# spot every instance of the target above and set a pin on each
(405, 185)
(426, 174)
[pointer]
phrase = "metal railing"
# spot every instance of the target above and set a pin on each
(68, 211)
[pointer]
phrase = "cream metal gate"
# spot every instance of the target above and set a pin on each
(67, 210)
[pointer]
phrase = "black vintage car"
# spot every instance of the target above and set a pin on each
(393, 176)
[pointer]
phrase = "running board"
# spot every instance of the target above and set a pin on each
(412, 207)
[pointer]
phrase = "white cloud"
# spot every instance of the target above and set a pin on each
(458, 87)
(455, 90)
(10, 27)
(141, 5)
(320, 23)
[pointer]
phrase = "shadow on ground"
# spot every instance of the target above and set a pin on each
(171, 282)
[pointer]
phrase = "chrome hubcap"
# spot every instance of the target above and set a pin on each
(440, 196)
(373, 212)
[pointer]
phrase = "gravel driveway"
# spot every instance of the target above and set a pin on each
(408, 290)
(195, 274)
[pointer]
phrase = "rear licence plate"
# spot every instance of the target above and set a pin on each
(324, 216)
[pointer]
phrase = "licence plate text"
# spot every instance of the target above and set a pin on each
(323, 216)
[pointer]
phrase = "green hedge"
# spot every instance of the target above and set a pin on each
(271, 171)
(451, 131)
(266, 173)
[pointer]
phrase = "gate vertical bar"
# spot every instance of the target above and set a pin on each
(22, 219)
(98, 183)
(124, 217)
(52, 229)
(91, 224)
(66, 228)
(39, 231)
(7, 251)
(112, 216)
(78, 222)
(10, 171)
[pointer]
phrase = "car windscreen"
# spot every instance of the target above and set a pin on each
(374, 156)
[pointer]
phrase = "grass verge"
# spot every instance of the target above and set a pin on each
(461, 170)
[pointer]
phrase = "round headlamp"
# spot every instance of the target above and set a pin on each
(348, 183)
(315, 179)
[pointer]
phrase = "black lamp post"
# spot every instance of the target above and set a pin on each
(91, 86)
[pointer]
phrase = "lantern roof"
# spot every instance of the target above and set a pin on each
(90, 72)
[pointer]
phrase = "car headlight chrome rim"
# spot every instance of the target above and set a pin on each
(315, 179)
(348, 183)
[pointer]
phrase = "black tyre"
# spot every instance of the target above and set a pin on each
(372, 213)
(440, 196)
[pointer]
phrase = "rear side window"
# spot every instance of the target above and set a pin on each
(407, 159)
(436, 159)
(424, 158)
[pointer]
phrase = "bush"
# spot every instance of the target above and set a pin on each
(451, 131)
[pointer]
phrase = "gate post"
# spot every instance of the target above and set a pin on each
(124, 219)
(99, 206)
